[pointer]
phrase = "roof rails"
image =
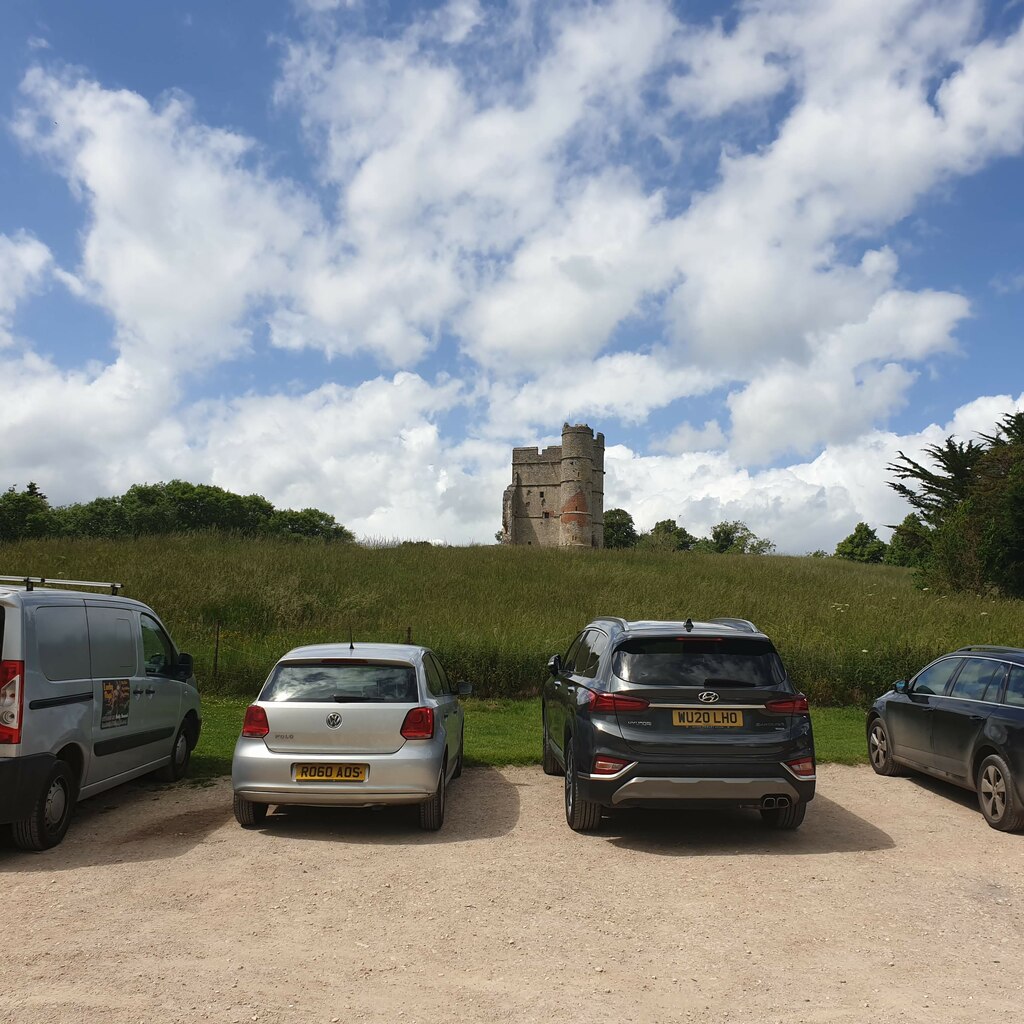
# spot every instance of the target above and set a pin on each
(30, 582)
(744, 624)
(990, 647)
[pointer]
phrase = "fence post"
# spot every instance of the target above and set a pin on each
(408, 634)
(216, 649)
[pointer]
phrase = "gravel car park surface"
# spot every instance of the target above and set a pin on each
(894, 901)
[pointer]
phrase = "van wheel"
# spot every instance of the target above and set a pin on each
(248, 814)
(51, 815)
(181, 754)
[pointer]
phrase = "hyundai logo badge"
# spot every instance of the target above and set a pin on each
(334, 719)
(708, 697)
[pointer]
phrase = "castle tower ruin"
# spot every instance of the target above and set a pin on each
(556, 498)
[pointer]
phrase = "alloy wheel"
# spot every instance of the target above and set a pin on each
(993, 792)
(879, 747)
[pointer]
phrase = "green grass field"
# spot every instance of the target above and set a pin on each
(503, 732)
(495, 614)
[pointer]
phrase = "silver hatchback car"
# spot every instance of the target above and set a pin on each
(351, 725)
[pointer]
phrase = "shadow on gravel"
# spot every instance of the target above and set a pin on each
(139, 821)
(948, 791)
(828, 828)
(482, 804)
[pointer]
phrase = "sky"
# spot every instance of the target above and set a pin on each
(348, 253)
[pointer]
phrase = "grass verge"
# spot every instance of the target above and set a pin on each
(502, 732)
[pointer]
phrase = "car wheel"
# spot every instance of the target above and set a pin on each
(997, 795)
(181, 754)
(785, 818)
(48, 823)
(462, 750)
(249, 814)
(432, 811)
(880, 750)
(547, 755)
(581, 815)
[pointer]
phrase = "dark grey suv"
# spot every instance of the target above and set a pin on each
(961, 718)
(677, 714)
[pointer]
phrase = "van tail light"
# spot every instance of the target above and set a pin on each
(255, 724)
(612, 703)
(802, 767)
(608, 765)
(12, 700)
(790, 706)
(419, 724)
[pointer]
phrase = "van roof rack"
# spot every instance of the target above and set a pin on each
(31, 582)
(745, 624)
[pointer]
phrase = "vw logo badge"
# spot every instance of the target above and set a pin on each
(334, 720)
(708, 697)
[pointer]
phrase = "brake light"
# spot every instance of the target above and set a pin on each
(608, 765)
(255, 724)
(419, 724)
(802, 767)
(611, 703)
(789, 706)
(12, 700)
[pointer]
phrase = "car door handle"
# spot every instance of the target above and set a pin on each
(137, 693)
(151, 692)
(976, 718)
(557, 685)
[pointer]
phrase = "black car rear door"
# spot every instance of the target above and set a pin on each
(960, 715)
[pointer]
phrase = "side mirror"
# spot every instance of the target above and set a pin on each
(555, 664)
(184, 666)
(464, 689)
(901, 686)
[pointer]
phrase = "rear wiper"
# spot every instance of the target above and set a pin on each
(711, 681)
(346, 698)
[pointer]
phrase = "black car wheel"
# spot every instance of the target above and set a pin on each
(547, 756)
(997, 795)
(785, 818)
(48, 823)
(249, 814)
(432, 811)
(581, 815)
(880, 750)
(457, 773)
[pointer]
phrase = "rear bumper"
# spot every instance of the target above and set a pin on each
(408, 776)
(21, 781)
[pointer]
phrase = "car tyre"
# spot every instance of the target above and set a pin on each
(997, 795)
(457, 774)
(432, 810)
(548, 762)
(181, 754)
(785, 819)
(249, 814)
(581, 815)
(880, 750)
(48, 823)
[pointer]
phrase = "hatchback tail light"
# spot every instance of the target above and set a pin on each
(608, 765)
(611, 703)
(419, 724)
(255, 724)
(802, 767)
(790, 706)
(12, 700)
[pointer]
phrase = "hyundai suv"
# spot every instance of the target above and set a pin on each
(676, 715)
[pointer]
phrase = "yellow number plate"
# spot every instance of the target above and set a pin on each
(719, 718)
(330, 773)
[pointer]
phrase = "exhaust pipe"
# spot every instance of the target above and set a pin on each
(783, 801)
(768, 803)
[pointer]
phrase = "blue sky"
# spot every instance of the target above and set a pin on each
(347, 255)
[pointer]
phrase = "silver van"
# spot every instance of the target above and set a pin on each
(93, 693)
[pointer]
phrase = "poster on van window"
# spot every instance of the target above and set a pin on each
(116, 703)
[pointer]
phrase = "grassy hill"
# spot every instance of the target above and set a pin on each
(494, 614)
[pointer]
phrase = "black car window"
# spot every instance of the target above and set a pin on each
(588, 661)
(934, 679)
(979, 679)
(584, 655)
(569, 661)
(434, 681)
(1015, 687)
(698, 661)
(446, 686)
(342, 682)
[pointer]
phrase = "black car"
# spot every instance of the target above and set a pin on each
(960, 718)
(677, 715)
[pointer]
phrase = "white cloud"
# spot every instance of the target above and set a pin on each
(24, 262)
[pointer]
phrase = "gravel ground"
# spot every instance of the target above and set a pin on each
(894, 901)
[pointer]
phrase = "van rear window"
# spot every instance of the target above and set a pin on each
(366, 682)
(698, 661)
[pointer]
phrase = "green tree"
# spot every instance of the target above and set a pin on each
(861, 546)
(309, 523)
(619, 530)
(25, 514)
(910, 544)
(667, 535)
(735, 538)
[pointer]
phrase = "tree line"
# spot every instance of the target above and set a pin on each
(726, 538)
(147, 509)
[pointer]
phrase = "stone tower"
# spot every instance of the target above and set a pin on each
(556, 498)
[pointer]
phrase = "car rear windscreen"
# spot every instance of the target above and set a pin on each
(698, 662)
(362, 682)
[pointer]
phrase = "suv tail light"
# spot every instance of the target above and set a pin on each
(802, 767)
(608, 765)
(613, 702)
(419, 724)
(255, 724)
(790, 706)
(12, 700)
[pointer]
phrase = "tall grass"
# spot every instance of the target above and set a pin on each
(495, 614)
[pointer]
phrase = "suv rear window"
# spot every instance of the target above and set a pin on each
(698, 662)
(349, 682)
